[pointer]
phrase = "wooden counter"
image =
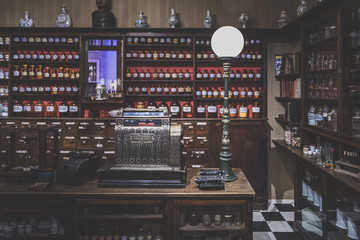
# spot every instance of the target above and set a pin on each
(237, 193)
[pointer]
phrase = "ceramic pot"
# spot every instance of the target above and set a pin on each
(26, 21)
(173, 20)
(208, 20)
(283, 19)
(63, 19)
(303, 7)
(243, 19)
(141, 22)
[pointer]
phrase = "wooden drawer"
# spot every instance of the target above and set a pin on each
(109, 143)
(69, 128)
(84, 142)
(188, 128)
(201, 142)
(69, 142)
(111, 128)
(84, 128)
(197, 156)
(98, 142)
(188, 142)
(98, 128)
(202, 128)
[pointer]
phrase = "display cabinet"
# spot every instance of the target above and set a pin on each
(321, 75)
(350, 104)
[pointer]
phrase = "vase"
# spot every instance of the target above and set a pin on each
(141, 22)
(63, 19)
(244, 18)
(283, 19)
(208, 20)
(303, 7)
(26, 21)
(173, 20)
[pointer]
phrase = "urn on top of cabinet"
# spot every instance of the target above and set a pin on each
(173, 20)
(283, 19)
(208, 20)
(26, 21)
(244, 18)
(141, 22)
(303, 7)
(63, 19)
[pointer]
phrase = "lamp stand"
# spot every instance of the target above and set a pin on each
(225, 155)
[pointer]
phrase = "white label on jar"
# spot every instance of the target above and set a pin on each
(186, 109)
(212, 109)
(312, 122)
(60, 74)
(28, 89)
(243, 109)
(27, 109)
(209, 93)
(37, 108)
(15, 88)
(201, 109)
(174, 109)
(256, 109)
(233, 110)
(325, 115)
(47, 89)
(206, 75)
(250, 93)
(16, 73)
(258, 75)
(63, 108)
(50, 108)
(73, 109)
(151, 107)
(159, 89)
(319, 117)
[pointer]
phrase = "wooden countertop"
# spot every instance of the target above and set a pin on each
(240, 188)
(341, 178)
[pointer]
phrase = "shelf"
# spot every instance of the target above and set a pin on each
(319, 100)
(324, 71)
(340, 233)
(159, 95)
(290, 76)
(230, 81)
(119, 101)
(286, 99)
(45, 45)
(286, 122)
(29, 95)
(25, 81)
(157, 61)
(154, 45)
(204, 231)
(120, 216)
(158, 81)
(230, 99)
(47, 63)
(35, 236)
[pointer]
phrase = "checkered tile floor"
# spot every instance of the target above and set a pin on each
(275, 223)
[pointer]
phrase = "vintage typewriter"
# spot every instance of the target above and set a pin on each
(147, 151)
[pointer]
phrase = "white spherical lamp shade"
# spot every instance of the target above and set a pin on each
(227, 41)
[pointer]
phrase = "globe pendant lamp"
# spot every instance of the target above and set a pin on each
(227, 42)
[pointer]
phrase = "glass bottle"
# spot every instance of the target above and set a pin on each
(256, 110)
(216, 93)
(73, 109)
(250, 93)
(51, 109)
(212, 110)
(245, 75)
(63, 109)
(175, 109)
(188, 89)
(152, 90)
(167, 89)
(17, 109)
(140, 104)
(319, 117)
(200, 111)
(27, 109)
(311, 116)
(151, 104)
(39, 109)
(163, 106)
(242, 93)
(155, 75)
(167, 75)
(232, 110)
(187, 110)
(243, 110)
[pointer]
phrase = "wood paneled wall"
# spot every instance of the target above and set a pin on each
(262, 13)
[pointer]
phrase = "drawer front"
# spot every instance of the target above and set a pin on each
(84, 128)
(69, 142)
(201, 142)
(109, 143)
(69, 128)
(202, 128)
(98, 143)
(188, 128)
(197, 156)
(188, 142)
(111, 129)
(84, 142)
(98, 128)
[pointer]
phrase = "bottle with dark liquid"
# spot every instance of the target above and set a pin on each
(51, 109)
(163, 106)
(256, 111)
(39, 109)
(27, 109)
(151, 104)
(212, 110)
(187, 110)
(63, 109)
(73, 109)
(175, 109)
(200, 111)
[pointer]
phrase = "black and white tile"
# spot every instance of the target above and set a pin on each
(275, 223)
